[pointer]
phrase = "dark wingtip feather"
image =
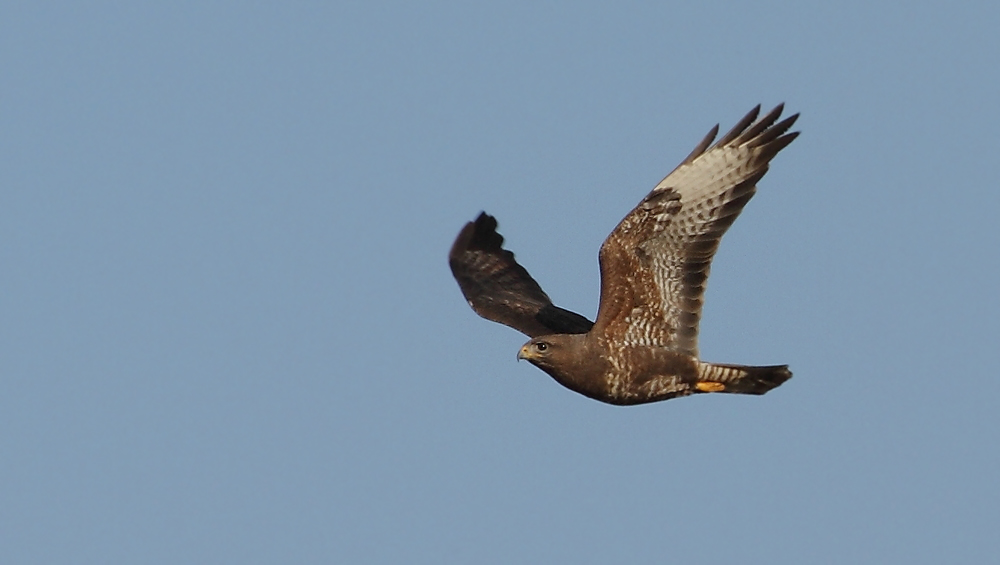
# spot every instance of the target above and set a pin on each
(774, 131)
(702, 146)
(761, 125)
(479, 234)
(485, 235)
(772, 148)
(739, 127)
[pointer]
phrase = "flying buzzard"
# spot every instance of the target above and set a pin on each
(654, 266)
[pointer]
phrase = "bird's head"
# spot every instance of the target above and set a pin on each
(568, 358)
(552, 352)
(537, 349)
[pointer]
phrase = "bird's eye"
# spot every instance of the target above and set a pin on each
(541, 346)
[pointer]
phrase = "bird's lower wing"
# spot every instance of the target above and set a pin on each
(500, 289)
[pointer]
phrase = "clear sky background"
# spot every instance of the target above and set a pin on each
(228, 333)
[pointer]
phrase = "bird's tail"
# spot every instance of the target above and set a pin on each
(740, 379)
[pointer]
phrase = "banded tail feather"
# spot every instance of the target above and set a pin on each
(740, 379)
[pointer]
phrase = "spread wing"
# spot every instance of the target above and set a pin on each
(655, 264)
(499, 289)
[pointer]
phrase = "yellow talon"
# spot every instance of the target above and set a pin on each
(708, 386)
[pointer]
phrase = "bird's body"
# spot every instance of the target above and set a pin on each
(654, 266)
(642, 374)
(638, 374)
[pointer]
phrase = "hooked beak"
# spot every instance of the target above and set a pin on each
(525, 352)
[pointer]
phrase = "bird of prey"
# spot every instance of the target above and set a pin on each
(643, 347)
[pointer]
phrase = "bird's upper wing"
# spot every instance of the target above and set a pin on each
(499, 289)
(654, 265)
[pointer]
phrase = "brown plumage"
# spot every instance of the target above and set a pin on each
(654, 266)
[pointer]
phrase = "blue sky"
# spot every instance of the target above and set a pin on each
(228, 333)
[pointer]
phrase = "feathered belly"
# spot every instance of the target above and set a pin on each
(648, 374)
